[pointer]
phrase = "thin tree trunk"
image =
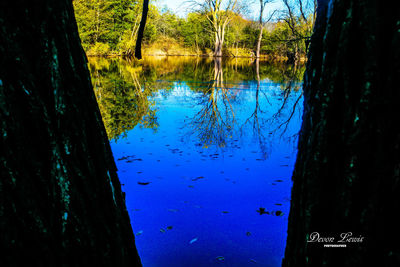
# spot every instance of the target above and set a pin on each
(346, 177)
(138, 47)
(61, 202)
(259, 41)
(261, 28)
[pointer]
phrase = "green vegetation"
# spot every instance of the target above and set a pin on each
(109, 27)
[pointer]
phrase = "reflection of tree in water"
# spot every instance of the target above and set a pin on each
(123, 91)
(122, 97)
(257, 120)
(215, 122)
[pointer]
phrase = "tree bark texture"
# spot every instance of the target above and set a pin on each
(61, 202)
(346, 177)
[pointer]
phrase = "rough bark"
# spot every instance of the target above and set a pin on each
(346, 177)
(60, 198)
(138, 47)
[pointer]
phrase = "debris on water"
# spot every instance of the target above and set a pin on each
(273, 183)
(253, 261)
(278, 181)
(139, 172)
(259, 159)
(248, 233)
(169, 227)
(172, 210)
(190, 186)
(139, 232)
(193, 240)
(143, 183)
(278, 213)
(220, 258)
(285, 165)
(262, 211)
(225, 211)
(162, 230)
(278, 204)
(198, 178)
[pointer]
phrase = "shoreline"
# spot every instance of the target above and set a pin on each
(262, 57)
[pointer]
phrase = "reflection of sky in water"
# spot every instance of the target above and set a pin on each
(209, 193)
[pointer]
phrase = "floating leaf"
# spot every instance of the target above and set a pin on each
(220, 258)
(225, 212)
(248, 233)
(169, 227)
(198, 178)
(193, 240)
(162, 230)
(278, 213)
(253, 260)
(143, 183)
(139, 233)
(262, 211)
(172, 210)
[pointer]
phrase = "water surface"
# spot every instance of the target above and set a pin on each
(205, 150)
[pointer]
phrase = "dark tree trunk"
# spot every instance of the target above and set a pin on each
(60, 198)
(346, 177)
(142, 25)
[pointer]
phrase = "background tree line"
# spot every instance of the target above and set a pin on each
(212, 27)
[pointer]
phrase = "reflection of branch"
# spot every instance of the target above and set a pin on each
(286, 123)
(209, 123)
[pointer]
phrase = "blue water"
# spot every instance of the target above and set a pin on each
(195, 184)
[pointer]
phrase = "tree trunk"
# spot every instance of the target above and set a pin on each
(61, 202)
(259, 41)
(346, 177)
(138, 47)
(218, 46)
(262, 5)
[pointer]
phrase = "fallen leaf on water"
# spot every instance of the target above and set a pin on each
(220, 258)
(162, 230)
(139, 233)
(172, 210)
(143, 183)
(278, 181)
(198, 178)
(248, 233)
(278, 213)
(262, 211)
(193, 240)
(252, 260)
(169, 227)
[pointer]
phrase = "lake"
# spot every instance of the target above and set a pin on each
(205, 150)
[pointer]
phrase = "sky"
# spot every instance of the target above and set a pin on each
(179, 7)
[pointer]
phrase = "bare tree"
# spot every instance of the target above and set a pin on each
(299, 15)
(219, 13)
(261, 22)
